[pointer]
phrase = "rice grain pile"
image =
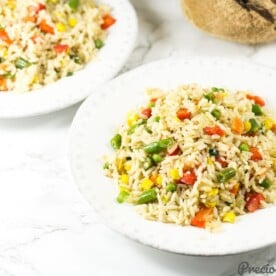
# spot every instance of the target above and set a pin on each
(43, 41)
(196, 156)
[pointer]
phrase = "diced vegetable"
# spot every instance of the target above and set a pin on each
(148, 163)
(106, 166)
(256, 109)
(183, 113)
(174, 174)
(61, 48)
(147, 196)
(237, 125)
(202, 217)
(69, 74)
(225, 175)
(156, 119)
(22, 63)
(254, 126)
(158, 146)
(3, 84)
(44, 27)
(266, 183)
(4, 36)
(210, 97)
(173, 150)
(213, 152)
(157, 158)
(171, 187)
(122, 197)
(215, 130)
(234, 190)
(216, 89)
(254, 202)
(258, 100)
(116, 141)
(229, 217)
(134, 127)
(268, 123)
(98, 43)
(74, 4)
(244, 147)
(147, 184)
(273, 129)
(147, 112)
(221, 161)
(216, 113)
(188, 178)
(108, 21)
(256, 155)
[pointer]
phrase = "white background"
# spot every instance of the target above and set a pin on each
(46, 228)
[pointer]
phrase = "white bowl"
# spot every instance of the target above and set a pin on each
(97, 120)
(68, 91)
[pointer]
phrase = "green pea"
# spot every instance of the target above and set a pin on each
(157, 158)
(216, 113)
(216, 89)
(266, 183)
(171, 187)
(122, 197)
(74, 4)
(156, 119)
(244, 147)
(69, 74)
(226, 175)
(256, 109)
(116, 141)
(106, 166)
(98, 43)
(147, 196)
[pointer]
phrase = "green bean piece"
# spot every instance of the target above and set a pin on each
(116, 141)
(74, 4)
(210, 97)
(216, 89)
(157, 158)
(122, 196)
(256, 109)
(216, 113)
(226, 175)
(98, 43)
(158, 146)
(214, 152)
(244, 147)
(148, 163)
(22, 63)
(254, 126)
(147, 196)
(266, 183)
(171, 187)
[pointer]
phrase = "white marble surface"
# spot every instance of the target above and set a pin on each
(46, 228)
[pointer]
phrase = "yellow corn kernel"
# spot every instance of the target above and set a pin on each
(177, 119)
(268, 123)
(120, 165)
(159, 180)
(132, 118)
(165, 199)
(5, 52)
(174, 173)
(35, 79)
(229, 217)
(72, 22)
(224, 94)
(213, 192)
(146, 184)
(11, 4)
(210, 161)
(124, 188)
(127, 166)
(247, 126)
(60, 27)
(53, 1)
(124, 178)
(211, 204)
